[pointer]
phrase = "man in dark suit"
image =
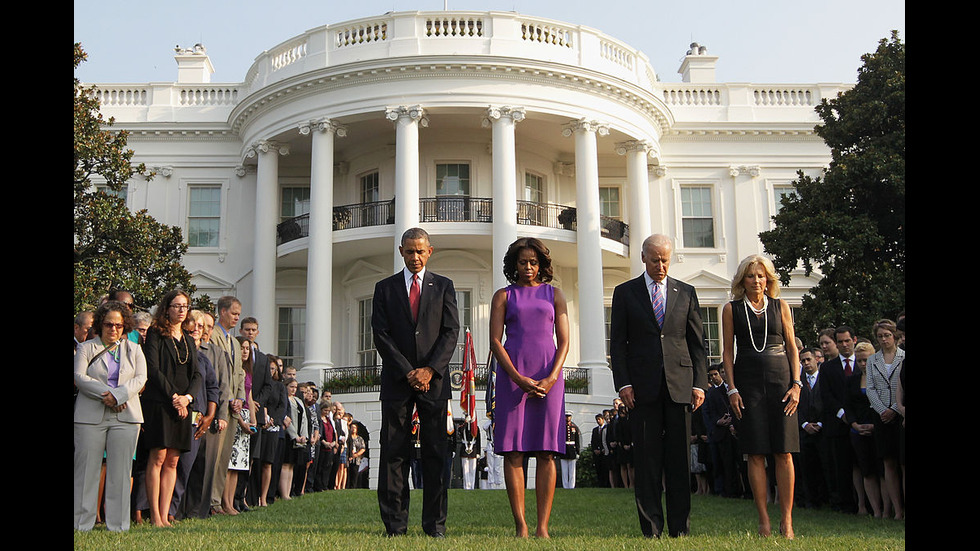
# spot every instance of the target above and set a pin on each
(415, 325)
(836, 430)
(659, 367)
(812, 476)
(719, 422)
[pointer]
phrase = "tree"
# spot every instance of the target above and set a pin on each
(850, 224)
(116, 248)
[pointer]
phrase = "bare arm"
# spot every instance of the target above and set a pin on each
(728, 358)
(792, 396)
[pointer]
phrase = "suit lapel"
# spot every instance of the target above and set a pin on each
(428, 292)
(673, 295)
(400, 290)
(643, 298)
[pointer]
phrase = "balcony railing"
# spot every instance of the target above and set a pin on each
(456, 209)
(362, 215)
(342, 380)
(451, 209)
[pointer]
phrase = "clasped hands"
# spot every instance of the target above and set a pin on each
(420, 378)
(535, 388)
(110, 402)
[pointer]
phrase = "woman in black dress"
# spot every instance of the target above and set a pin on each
(764, 382)
(172, 382)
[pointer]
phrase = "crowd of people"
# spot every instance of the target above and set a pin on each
(850, 426)
(219, 426)
(177, 418)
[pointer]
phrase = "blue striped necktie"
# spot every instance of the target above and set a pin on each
(658, 304)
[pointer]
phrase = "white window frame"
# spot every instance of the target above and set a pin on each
(185, 187)
(678, 186)
(299, 344)
(619, 192)
(775, 189)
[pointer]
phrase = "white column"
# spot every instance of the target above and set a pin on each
(503, 120)
(592, 330)
(407, 121)
(319, 274)
(264, 261)
(638, 182)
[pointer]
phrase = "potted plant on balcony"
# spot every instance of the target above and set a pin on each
(568, 218)
(341, 219)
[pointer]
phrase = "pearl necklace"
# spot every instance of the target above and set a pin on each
(765, 306)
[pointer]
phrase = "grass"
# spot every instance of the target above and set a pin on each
(583, 519)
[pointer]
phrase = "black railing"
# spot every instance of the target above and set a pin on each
(451, 209)
(362, 215)
(455, 209)
(343, 380)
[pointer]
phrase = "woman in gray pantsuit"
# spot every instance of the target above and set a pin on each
(110, 370)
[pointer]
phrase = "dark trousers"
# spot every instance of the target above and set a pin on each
(396, 453)
(662, 455)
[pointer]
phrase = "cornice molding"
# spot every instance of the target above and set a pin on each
(365, 73)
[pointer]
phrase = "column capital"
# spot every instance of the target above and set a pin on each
(265, 146)
(517, 114)
(322, 125)
(414, 112)
(586, 125)
(736, 171)
(643, 146)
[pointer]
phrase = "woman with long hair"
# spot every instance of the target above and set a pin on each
(244, 428)
(172, 382)
(763, 383)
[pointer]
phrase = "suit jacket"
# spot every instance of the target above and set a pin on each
(643, 354)
(716, 405)
(810, 407)
(262, 383)
(882, 388)
(832, 385)
(405, 345)
(92, 380)
(228, 368)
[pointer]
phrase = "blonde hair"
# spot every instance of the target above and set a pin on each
(772, 282)
(864, 347)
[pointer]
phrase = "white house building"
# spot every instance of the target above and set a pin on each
(294, 185)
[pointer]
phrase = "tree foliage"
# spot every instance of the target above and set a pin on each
(116, 248)
(850, 223)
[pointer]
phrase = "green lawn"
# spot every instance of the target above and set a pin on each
(585, 518)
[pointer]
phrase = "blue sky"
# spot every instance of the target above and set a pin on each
(761, 41)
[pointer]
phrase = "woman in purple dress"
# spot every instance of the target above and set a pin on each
(530, 396)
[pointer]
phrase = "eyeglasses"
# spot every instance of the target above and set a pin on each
(108, 325)
(179, 306)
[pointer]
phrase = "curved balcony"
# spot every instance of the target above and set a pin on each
(451, 209)
(474, 33)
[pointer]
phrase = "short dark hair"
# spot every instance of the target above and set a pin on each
(843, 329)
(415, 233)
(809, 350)
(112, 306)
(545, 271)
(715, 367)
(249, 319)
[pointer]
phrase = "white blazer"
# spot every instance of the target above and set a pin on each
(92, 380)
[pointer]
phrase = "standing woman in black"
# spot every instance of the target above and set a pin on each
(763, 383)
(172, 381)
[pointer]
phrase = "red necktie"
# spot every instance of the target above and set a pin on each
(413, 297)
(847, 367)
